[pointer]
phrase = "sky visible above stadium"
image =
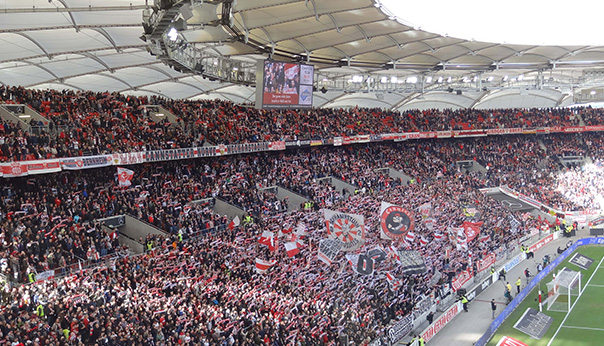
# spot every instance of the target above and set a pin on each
(533, 22)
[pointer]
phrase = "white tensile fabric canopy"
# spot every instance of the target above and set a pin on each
(96, 45)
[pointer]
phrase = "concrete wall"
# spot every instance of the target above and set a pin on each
(223, 208)
(294, 199)
(153, 110)
(136, 229)
(134, 246)
(470, 166)
(12, 118)
(394, 173)
(338, 184)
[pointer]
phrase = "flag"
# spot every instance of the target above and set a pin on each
(484, 237)
(437, 236)
(262, 265)
(429, 223)
(425, 209)
(288, 230)
(393, 252)
(348, 228)
(472, 229)
(462, 240)
(292, 249)
(268, 238)
(423, 240)
(410, 237)
(514, 223)
(394, 283)
(354, 261)
(124, 176)
(234, 223)
(395, 221)
(328, 250)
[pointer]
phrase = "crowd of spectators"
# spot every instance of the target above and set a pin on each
(204, 289)
(87, 123)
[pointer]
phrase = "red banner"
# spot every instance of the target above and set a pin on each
(472, 229)
(486, 262)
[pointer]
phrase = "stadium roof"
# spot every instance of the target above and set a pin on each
(364, 54)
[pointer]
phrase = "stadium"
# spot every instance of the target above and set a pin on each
(297, 173)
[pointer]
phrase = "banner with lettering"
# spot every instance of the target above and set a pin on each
(348, 228)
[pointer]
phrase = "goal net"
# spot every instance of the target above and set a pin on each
(563, 290)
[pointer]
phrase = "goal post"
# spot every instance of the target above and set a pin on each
(563, 290)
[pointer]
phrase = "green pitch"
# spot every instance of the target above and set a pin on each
(583, 326)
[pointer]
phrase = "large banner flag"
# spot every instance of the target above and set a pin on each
(348, 228)
(412, 262)
(426, 210)
(124, 176)
(268, 238)
(262, 265)
(471, 211)
(393, 282)
(472, 229)
(291, 248)
(234, 223)
(429, 223)
(395, 221)
(514, 223)
(329, 249)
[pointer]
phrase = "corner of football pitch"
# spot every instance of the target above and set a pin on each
(583, 325)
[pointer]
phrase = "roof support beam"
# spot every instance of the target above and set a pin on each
(36, 43)
(108, 37)
(74, 9)
(75, 25)
(367, 38)
(63, 27)
(41, 67)
(314, 7)
(117, 79)
(97, 59)
(335, 23)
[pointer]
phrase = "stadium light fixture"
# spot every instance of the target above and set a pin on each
(505, 78)
(490, 79)
(384, 80)
(520, 77)
(440, 79)
(449, 79)
(412, 79)
(428, 79)
(393, 79)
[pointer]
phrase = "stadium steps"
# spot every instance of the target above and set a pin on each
(339, 185)
(223, 207)
(470, 166)
(295, 199)
(135, 229)
(22, 115)
(158, 113)
(394, 173)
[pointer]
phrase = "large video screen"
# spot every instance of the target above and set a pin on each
(284, 85)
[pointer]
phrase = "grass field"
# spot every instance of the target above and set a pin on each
(583, 326)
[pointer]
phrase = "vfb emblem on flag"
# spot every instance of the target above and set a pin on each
(347, 229)
(396, 222)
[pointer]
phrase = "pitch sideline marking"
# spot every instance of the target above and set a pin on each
(588, 328)
(575, 303)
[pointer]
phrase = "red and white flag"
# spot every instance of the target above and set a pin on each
(124, 176)
(410, 236)
(262, 265)
(395, 284)
(292, 249)
(268, 238)
(234, 223)
(484, 237)
(423, 240)
(438, 236)
(472, 229)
